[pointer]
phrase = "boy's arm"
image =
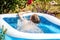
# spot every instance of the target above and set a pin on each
(20, 16)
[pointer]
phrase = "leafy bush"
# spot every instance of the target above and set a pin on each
(7, 5)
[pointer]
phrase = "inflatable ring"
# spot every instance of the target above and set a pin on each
(14, 33)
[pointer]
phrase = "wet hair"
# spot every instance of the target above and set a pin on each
(34, 18)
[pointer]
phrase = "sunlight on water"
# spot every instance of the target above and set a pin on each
(52, 28)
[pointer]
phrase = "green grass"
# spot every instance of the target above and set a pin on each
(2, 33)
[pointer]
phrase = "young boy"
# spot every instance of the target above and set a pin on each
(29, 25)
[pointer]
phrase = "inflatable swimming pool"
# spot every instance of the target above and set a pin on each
(48, 24)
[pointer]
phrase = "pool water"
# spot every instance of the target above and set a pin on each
(45, 25)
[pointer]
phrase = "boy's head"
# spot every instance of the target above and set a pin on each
(34, 18)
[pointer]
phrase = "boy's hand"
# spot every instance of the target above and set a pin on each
(20, 14)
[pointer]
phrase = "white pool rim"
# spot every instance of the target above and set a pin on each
(14, 33)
